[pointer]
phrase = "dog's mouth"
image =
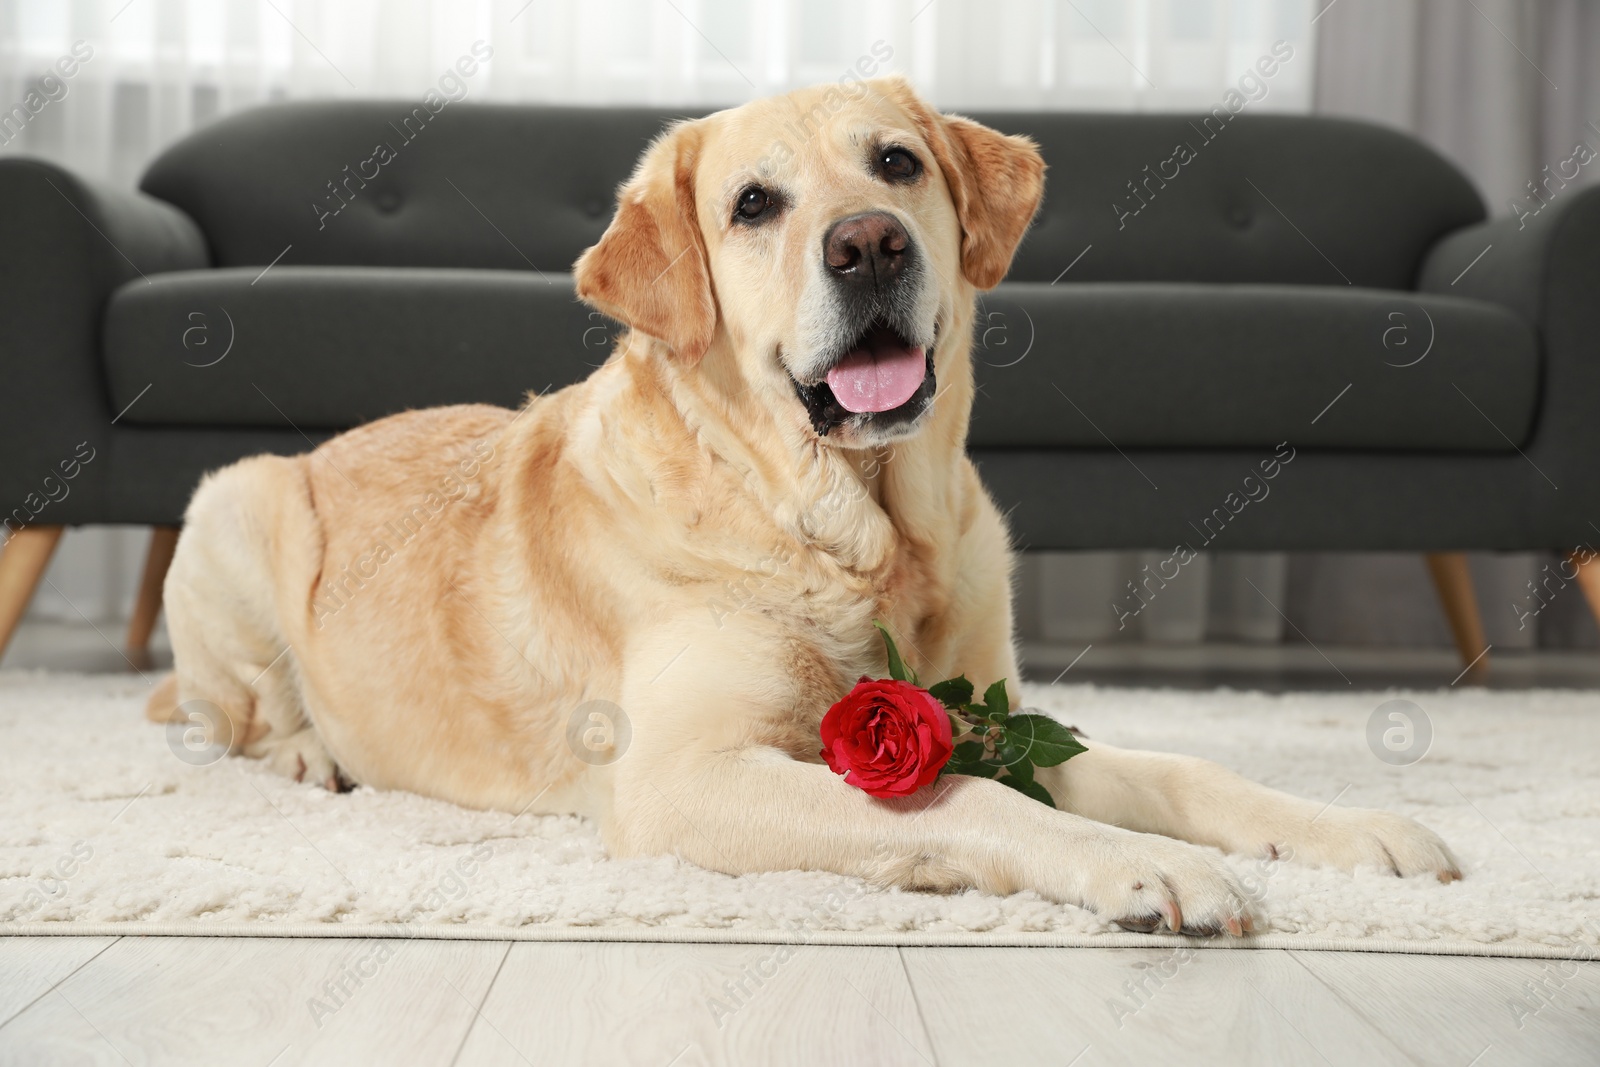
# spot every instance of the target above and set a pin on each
(881, 377)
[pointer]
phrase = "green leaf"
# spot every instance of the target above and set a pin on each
(1015, 758)
(983, 713)
(975, 769)
(1030, 788)
(998, 703)
(1046, 741)
(953, 693)
(897, 666)
(968, 752)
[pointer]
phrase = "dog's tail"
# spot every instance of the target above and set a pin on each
(163, 703)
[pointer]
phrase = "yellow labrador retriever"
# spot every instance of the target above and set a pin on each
(696, 541)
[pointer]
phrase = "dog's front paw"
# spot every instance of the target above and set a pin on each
(1351, 837)
(1143, 882)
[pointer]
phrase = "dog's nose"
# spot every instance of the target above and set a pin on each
(867, 249)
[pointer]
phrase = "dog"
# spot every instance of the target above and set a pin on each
(694, 544)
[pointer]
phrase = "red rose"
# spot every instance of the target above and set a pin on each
(886, 737)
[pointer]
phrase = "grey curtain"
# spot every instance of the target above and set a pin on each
(1505, 88)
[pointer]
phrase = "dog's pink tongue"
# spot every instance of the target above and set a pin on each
(878, 376)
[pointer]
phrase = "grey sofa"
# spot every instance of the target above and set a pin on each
(1319, 295)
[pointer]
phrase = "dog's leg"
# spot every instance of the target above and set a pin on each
(291, 745)
(756, 809)
(1195, 800)
(710, 777)
(222, 614)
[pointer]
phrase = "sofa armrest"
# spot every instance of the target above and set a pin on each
(1546, 267)
(65, 244)
(1528, 263)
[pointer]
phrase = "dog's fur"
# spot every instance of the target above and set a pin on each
(426, 602)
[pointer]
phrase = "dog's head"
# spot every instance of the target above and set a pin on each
(825, 243)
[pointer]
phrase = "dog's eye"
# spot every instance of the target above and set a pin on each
(898, 165)
(752, 203)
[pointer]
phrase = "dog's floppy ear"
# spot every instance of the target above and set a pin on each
(649, 271)
(995, 180)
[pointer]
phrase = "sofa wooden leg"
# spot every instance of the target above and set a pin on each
(1453, 580)
(22, 564)
(163, 540)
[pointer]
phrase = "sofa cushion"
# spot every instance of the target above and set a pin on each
(331, 347)
(1085, 366)
(1150, 365)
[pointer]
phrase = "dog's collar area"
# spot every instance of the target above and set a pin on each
(827, 414)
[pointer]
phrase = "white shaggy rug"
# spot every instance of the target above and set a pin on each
(103, 830)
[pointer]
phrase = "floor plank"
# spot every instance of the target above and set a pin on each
(1135, 1006)
(260, 1001)
(698, 1005)
(29, 966)
(1471, 1010)
(276, 1002)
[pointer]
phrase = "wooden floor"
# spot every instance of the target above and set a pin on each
(266, 1002)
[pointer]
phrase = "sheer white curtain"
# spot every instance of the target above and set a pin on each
(148, 71)
(162, 67)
